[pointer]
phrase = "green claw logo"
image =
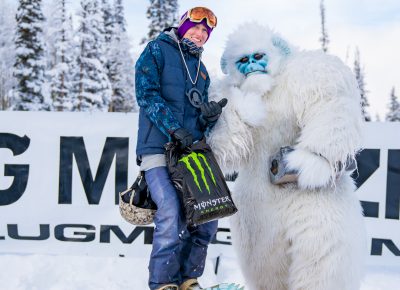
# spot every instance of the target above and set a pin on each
(196, 157)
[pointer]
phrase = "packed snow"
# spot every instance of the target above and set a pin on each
(44, 272)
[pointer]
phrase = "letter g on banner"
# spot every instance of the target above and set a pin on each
(20, 172)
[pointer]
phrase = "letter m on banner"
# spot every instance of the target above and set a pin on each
(75, 146)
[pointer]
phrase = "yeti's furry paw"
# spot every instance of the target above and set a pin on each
(314, 171)
(250, 107)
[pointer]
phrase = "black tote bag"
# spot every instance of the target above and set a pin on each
(200, 182)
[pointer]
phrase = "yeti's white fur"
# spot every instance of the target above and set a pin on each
(309, 235)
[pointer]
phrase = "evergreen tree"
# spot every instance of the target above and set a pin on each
(75, 66)
(94, 90)
(108, 20)
(52, 14)
(121, 69)
(394, 108)
(119, 15)
(109, 27)
(29, 67)
(324, 37)
(7, 52)
(359, 74)
(162, 14)
(61, 72)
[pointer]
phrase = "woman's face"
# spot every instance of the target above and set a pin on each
(197, 34)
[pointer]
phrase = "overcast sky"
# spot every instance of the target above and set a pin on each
(372, 25)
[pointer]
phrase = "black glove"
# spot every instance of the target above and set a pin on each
(211, 111)
(183, 136)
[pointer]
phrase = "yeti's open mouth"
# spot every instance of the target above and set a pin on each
(256, 72)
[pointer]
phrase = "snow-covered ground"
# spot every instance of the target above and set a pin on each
(44, 272)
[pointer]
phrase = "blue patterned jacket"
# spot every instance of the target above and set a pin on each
(161, 84)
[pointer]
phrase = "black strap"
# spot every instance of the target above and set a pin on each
(138, 179)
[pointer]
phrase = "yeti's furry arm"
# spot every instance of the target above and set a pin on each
(326, 102)
(231, 139)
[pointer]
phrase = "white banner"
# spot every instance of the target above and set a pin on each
(380, 192)
(60, 174)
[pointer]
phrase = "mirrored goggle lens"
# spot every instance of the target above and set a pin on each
(199, 13)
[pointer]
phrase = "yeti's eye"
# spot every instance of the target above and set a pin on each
(244, 59)
(258, 56)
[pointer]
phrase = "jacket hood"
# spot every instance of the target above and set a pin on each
(169, 35)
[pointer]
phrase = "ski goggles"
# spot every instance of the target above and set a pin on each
(197, 15)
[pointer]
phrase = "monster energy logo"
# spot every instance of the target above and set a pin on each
(196, 157)
(213, 204)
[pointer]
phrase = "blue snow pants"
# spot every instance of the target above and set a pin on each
(179, 252)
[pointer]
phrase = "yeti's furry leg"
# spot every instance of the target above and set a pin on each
(262, 266)
(258, 236)
(326, 233)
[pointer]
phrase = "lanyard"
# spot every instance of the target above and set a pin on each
(187, 69)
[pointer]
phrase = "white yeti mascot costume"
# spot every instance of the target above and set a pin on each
(310, 234)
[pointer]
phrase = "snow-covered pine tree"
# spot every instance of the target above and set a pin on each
(75, 66)
(29, 67)
(7, 52)
(324, 37)
(121, 69)
(52, 15)
(394, 108)
(63, 62)
(94, 89)
(359, 74)
(162, 14)
(119, 14)
(108, 20)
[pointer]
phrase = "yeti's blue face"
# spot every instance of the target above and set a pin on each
(252, 63)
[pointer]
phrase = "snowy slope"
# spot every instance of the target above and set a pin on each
(42, 272)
